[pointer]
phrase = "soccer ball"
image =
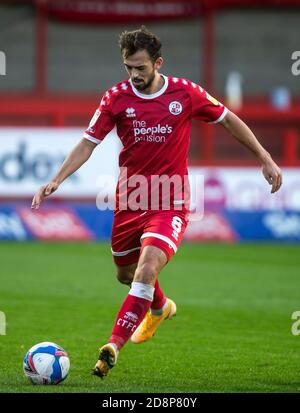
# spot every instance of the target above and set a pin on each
(46, 363)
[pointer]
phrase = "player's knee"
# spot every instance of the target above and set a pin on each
(146, 273)
(124, 276)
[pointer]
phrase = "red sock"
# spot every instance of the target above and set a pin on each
(159, 297)
(131, 314)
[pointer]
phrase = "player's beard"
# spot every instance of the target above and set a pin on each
(145, 85)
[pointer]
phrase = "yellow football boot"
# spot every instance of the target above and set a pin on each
(108, 355)
(150, 323)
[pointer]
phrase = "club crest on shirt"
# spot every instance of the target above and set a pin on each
(175, 107)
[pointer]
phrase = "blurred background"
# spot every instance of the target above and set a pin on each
(58, 57)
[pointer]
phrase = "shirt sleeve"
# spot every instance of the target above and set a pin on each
(101, 123)
(205, 107)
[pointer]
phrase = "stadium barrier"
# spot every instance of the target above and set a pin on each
(86, 223)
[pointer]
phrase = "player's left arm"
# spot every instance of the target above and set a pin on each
(239, 130)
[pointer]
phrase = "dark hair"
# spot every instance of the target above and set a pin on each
(141, 39)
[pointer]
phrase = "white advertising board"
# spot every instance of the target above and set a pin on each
(30, 157)
(246, 188)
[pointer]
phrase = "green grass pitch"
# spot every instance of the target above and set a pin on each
(232, 332)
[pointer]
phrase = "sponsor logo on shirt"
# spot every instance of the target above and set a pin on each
(175, 107)
(157, 133)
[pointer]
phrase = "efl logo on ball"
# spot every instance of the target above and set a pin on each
(175, 107)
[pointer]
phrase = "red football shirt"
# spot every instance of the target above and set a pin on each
(155, 133)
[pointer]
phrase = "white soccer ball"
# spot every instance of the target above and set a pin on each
(46, 363)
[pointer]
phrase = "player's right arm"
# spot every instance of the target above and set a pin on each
(76, 158)
(100, 125)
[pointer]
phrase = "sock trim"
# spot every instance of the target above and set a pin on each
(142, 290)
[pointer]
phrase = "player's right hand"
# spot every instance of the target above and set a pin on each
(42, 193)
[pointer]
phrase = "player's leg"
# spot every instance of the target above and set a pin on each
(125, 248)
(125, 245)
(126, 263)
(125, 274)
(138, 301)
(108, 354)
(134, 307)
(165, 231)
(126, 235)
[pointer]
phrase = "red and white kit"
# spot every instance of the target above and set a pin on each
(155, 133)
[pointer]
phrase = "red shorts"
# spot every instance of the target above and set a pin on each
(133, 230)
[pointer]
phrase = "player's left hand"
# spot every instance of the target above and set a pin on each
(273, 174)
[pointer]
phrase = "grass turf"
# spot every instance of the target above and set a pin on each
(232, 332)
